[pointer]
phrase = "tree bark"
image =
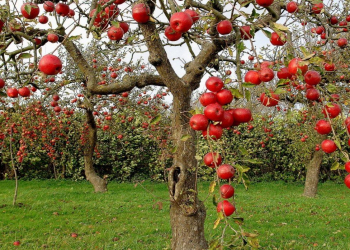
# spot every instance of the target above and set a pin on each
(100, 185)
(187, 213)
(313, 174)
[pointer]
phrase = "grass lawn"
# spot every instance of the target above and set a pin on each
(129, 217)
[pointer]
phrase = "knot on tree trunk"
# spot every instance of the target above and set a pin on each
(155, 61)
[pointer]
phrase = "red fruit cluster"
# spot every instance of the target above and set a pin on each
(180, 23)
(214, 112)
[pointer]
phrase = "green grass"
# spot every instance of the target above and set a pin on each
(129, 217)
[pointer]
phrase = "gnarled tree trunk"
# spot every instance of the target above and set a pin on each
(187, 213)
(100, 185)
(313, 174)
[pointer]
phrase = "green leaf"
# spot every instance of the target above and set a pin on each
(317, 60)
(247, 95)
(28, 8)
(215, 201)
(185, 137)
(279, 91)
(280, 26)
(227, 81)
(173, 150)
(267, 33)
(243, 150)
(283, 83)
(248, 85)
(331, 88)
(303, 49)
(3, 94)
(335, 166)
(241, 47)
(24, 56)
(253, 161)
(338, 144)
(73, 38)
(236, 93)
(115, 24)
(155, 119)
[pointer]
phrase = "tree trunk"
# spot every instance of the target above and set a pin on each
(313, 174)
(186, 211)
(100, 185)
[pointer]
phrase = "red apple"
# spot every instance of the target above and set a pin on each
(224, 27)
(334, 20)
(215, 132)
(2, 83)
(329, 67)
(55, 97)
(312, 94)
(241, 115)
(50, 65)
(269, 101)
(333, 110)
(207, 98)
(342, 42)
(347, 180)
(296, 64)
(226, 171)
(292, 7)
(227, 191)
(278, 40)
(347, 166)
(283, 73)
(264, 3)
(224, 96)
(25, 92)
(12, 92)
(212, 159)
(171, 34)
(312, 77)
(323, 127)
(245, 32)
(53, 38)
(17, 243)
(49, 6)
(62, 9)
(181, 22)
(43, 19)
(266, 74)
(226, 207)
(316, 8)
(30, 10)
(115, 34)
(227, 119)
(119, 1)
(199, 122)
(57, 109)
(328, 146)
(124, 26)
(141, 13)
(214, 112)
(193, 14)
(214, 84)
(252, 77)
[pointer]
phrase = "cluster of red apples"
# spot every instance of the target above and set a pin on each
(108, 17)
(211, 123)
(180, 22)
(48, 64)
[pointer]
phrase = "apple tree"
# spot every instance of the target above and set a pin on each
(209, 36)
